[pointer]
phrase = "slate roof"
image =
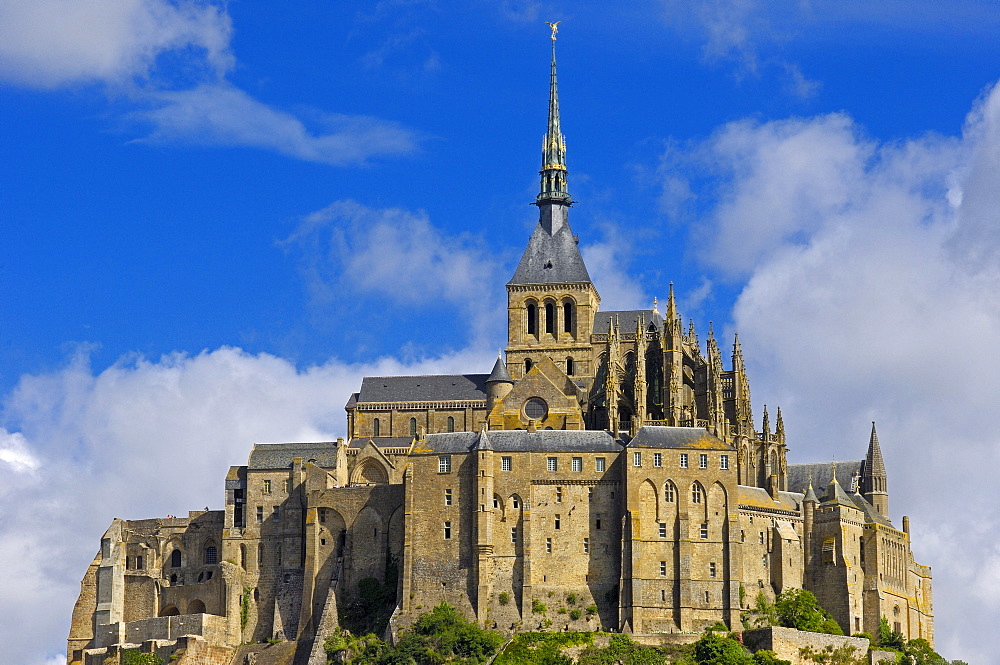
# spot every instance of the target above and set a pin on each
(280, 455)
(500, 373)
(501, 441)
(382, 441)
(427, 388)
(758, 497)
(552, 255)
(871, 515)
(798, 475)
(626, 320)
(655, 436)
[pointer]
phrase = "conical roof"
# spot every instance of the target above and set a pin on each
(874, 465)
(499, 373)
(835, 494)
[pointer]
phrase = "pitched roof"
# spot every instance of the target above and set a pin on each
(281, 455)
(848, 474)
(871, 515)
(758, 497)
(520, 441)
(427, 388)
(655, 436)
(382, 441)
(627, 319)
(552, 255)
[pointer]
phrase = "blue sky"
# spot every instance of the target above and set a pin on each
(218, 216)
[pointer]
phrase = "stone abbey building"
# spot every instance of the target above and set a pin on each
(609, 455)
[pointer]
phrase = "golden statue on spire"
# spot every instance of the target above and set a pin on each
(555, 28)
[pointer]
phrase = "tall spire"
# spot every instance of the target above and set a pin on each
(874, 485)
(553, 173)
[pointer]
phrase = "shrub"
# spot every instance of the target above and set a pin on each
(713, 649)
(504, 598)
(538, 607)
(575, 614)
(136, 657)
(571, 599)
(591, 610)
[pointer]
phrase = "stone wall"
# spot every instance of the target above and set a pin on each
(787, 643)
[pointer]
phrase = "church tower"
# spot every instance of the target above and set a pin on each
(873, 479)
(551, 301)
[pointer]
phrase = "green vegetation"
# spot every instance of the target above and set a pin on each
(136, 657)
(575, 614)
(571, 599)
(793, 608)
(541, 648)
(442, 636)
(245, 607)
(368, 610)
(621, 649)
(504, 598)
(845, 655)
(538, 607)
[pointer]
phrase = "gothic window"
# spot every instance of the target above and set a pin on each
(211, 555)
(175, 559)
(668, 492)
(376, 428)
(568, 317)
(413, 426)
(527, 365)
(532, 319)
(550, 318)
(569, 367)
(451, 424)
(696, 493)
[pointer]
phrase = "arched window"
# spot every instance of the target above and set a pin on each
(527, 365)
(413, 426)
(696, 493)
(568, 317)
(569, 367)
(376, 428)
(668, 492)
(211, 555)
(243, 557)
(550, 318)
(532, 319)
(175, 559)
(277, 550)
(451, 424)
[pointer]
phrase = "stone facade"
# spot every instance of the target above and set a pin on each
(608, 466)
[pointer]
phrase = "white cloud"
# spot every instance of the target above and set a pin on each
(392, 258)
(221, 114)
(140, 439)
(607, 262)
(49, 43)
(873, 293)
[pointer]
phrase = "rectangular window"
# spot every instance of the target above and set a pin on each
(577, 464)
(266, 488)
(322, 514)
(704, 530)
(260, 514)
(548, 546)
(657, 459)
(724, 462)
(447, 530)
(599, 465)
(276, 511)
(663, 530)
(590, 495)
(703, 461)
(586, 545)
(444, 463)
(288, 485)
(711, 569)
(505, 464)
(663, 569)
(557, 520)
(597, 521)
(496, 502)
(513, 535)
(552, 464)
(637, 459)
(663, 595)
(761, 537)
(138, 563)
(684, 460)
(447, 497)
(558, 495)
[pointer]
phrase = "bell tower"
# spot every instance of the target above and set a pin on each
(551, 301)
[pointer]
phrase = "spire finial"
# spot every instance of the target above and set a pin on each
(656, 304)
(553, 173)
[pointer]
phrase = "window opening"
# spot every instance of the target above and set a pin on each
(577, 464)
(703, 461)
(569, 367)
(637, 459)
(211, 555)
(377, 427)
(451, 424)
(550, 318)
(505, 463)
(599, 465)
(532, 321)
(696, 493)
(684, 460)
(663, 530)
(657, 459)
(663, 569)
(552, 464)
(548, 546)
(444, 463)
(568, 318)
(447, 530)
(413, 426)
(447, 497)
(175, 559)
(586, 545)
(668, 492)
(557, 520)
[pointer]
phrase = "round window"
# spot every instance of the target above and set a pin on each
(536, 408)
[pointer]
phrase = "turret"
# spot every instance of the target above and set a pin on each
(498, 384)
(873, 479)
(809, 503)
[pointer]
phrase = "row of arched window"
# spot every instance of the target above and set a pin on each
(377, 426)
(546, 316)
(211, 556)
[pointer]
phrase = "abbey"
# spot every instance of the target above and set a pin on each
(609, 457)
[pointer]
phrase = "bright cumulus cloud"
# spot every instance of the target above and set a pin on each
(871, 293)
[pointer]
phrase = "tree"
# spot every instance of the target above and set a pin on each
(887, 637)
(798, 608)
(714, 649)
